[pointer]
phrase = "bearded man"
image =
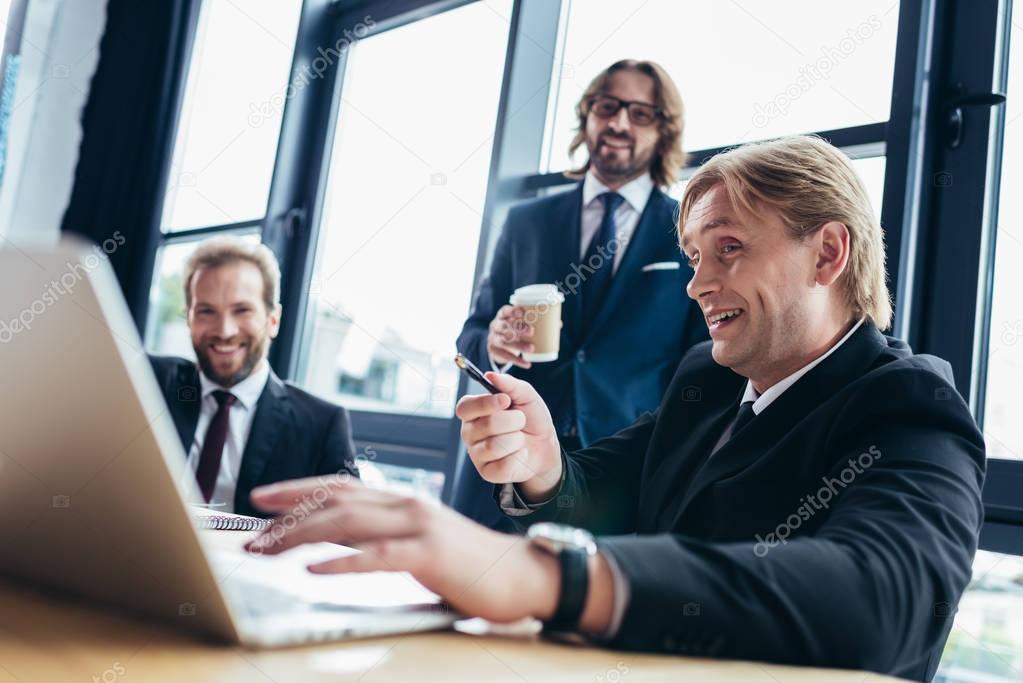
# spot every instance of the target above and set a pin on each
(609, 245)
(239, 424)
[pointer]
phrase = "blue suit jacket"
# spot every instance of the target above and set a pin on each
(604, 381)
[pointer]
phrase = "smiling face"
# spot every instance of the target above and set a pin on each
(229, 322)
(620, 150)
(770, 301)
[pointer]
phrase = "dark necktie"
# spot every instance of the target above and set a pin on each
(742, 418)
(213, 444)
(600, 259)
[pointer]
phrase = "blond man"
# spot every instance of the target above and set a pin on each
(808, 492)
(239, 424)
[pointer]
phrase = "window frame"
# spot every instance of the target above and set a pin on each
(277, 227)
(290, 226)
(297, 200)
(942, 276)
(957, 272)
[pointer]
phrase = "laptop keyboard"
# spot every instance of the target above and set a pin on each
(269, 616)
(258, 599)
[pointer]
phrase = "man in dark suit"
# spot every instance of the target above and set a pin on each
(240, 425)
(609, 245)
(808, 492)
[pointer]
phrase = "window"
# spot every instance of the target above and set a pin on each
(231, 115)
(403, 208)
(747, 71)
(225, 146)
(377, 381)
(1003, 429)
(801, 72)
(986, 641)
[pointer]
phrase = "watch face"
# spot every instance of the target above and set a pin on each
(556, 537)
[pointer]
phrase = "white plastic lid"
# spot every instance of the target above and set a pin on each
(534, 295)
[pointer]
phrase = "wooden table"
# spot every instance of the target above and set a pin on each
(49, 639)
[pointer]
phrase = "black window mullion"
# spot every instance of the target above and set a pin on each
(905, 190)
(960, 214)
(210, 230)
(951, 289)
(852, 136)
(865, 136)
(294, 205)
(389, 14)
(296, 201)
(517, 151)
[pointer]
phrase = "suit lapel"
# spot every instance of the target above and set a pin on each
(673, 473)
(645, 246)
(185, 400)
(272, 412)
(770, 426)
(566, 225)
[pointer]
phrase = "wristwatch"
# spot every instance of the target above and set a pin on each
(573, 548)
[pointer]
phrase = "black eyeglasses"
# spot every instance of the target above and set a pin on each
(640, 113)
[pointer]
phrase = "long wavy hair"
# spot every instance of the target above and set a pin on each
(668, 158)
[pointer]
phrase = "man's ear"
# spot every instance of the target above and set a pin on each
(274, 321)
(833, 252)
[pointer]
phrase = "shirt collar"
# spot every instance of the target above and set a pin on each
(247, 391)
(636, 192)
(761, 401)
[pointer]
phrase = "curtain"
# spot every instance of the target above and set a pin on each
(128, 127)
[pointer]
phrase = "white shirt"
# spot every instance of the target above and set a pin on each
(761, 401)
(247, 393)
(636, 193)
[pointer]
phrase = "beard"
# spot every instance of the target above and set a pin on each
(255, 350)
(620, 166)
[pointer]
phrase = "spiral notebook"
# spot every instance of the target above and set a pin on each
(226, 521)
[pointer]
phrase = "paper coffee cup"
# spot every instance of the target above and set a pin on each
(542, 310)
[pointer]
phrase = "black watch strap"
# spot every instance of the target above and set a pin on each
(575, 581)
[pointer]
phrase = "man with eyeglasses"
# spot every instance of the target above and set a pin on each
(609, 244)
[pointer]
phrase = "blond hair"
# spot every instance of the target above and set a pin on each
(668, 157)
(809, 183)
(228, 249)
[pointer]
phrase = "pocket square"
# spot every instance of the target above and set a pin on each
(662, 265)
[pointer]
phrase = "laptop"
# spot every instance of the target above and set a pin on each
(92, 500)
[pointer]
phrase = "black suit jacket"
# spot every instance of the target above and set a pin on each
(726, 554)
(294, 434)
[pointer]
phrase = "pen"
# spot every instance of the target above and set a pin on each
(474, 372)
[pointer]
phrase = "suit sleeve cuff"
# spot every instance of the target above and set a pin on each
(495, 367)
(514, 505)
(621, 599)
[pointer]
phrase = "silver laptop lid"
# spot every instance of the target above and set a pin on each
(91, 500)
